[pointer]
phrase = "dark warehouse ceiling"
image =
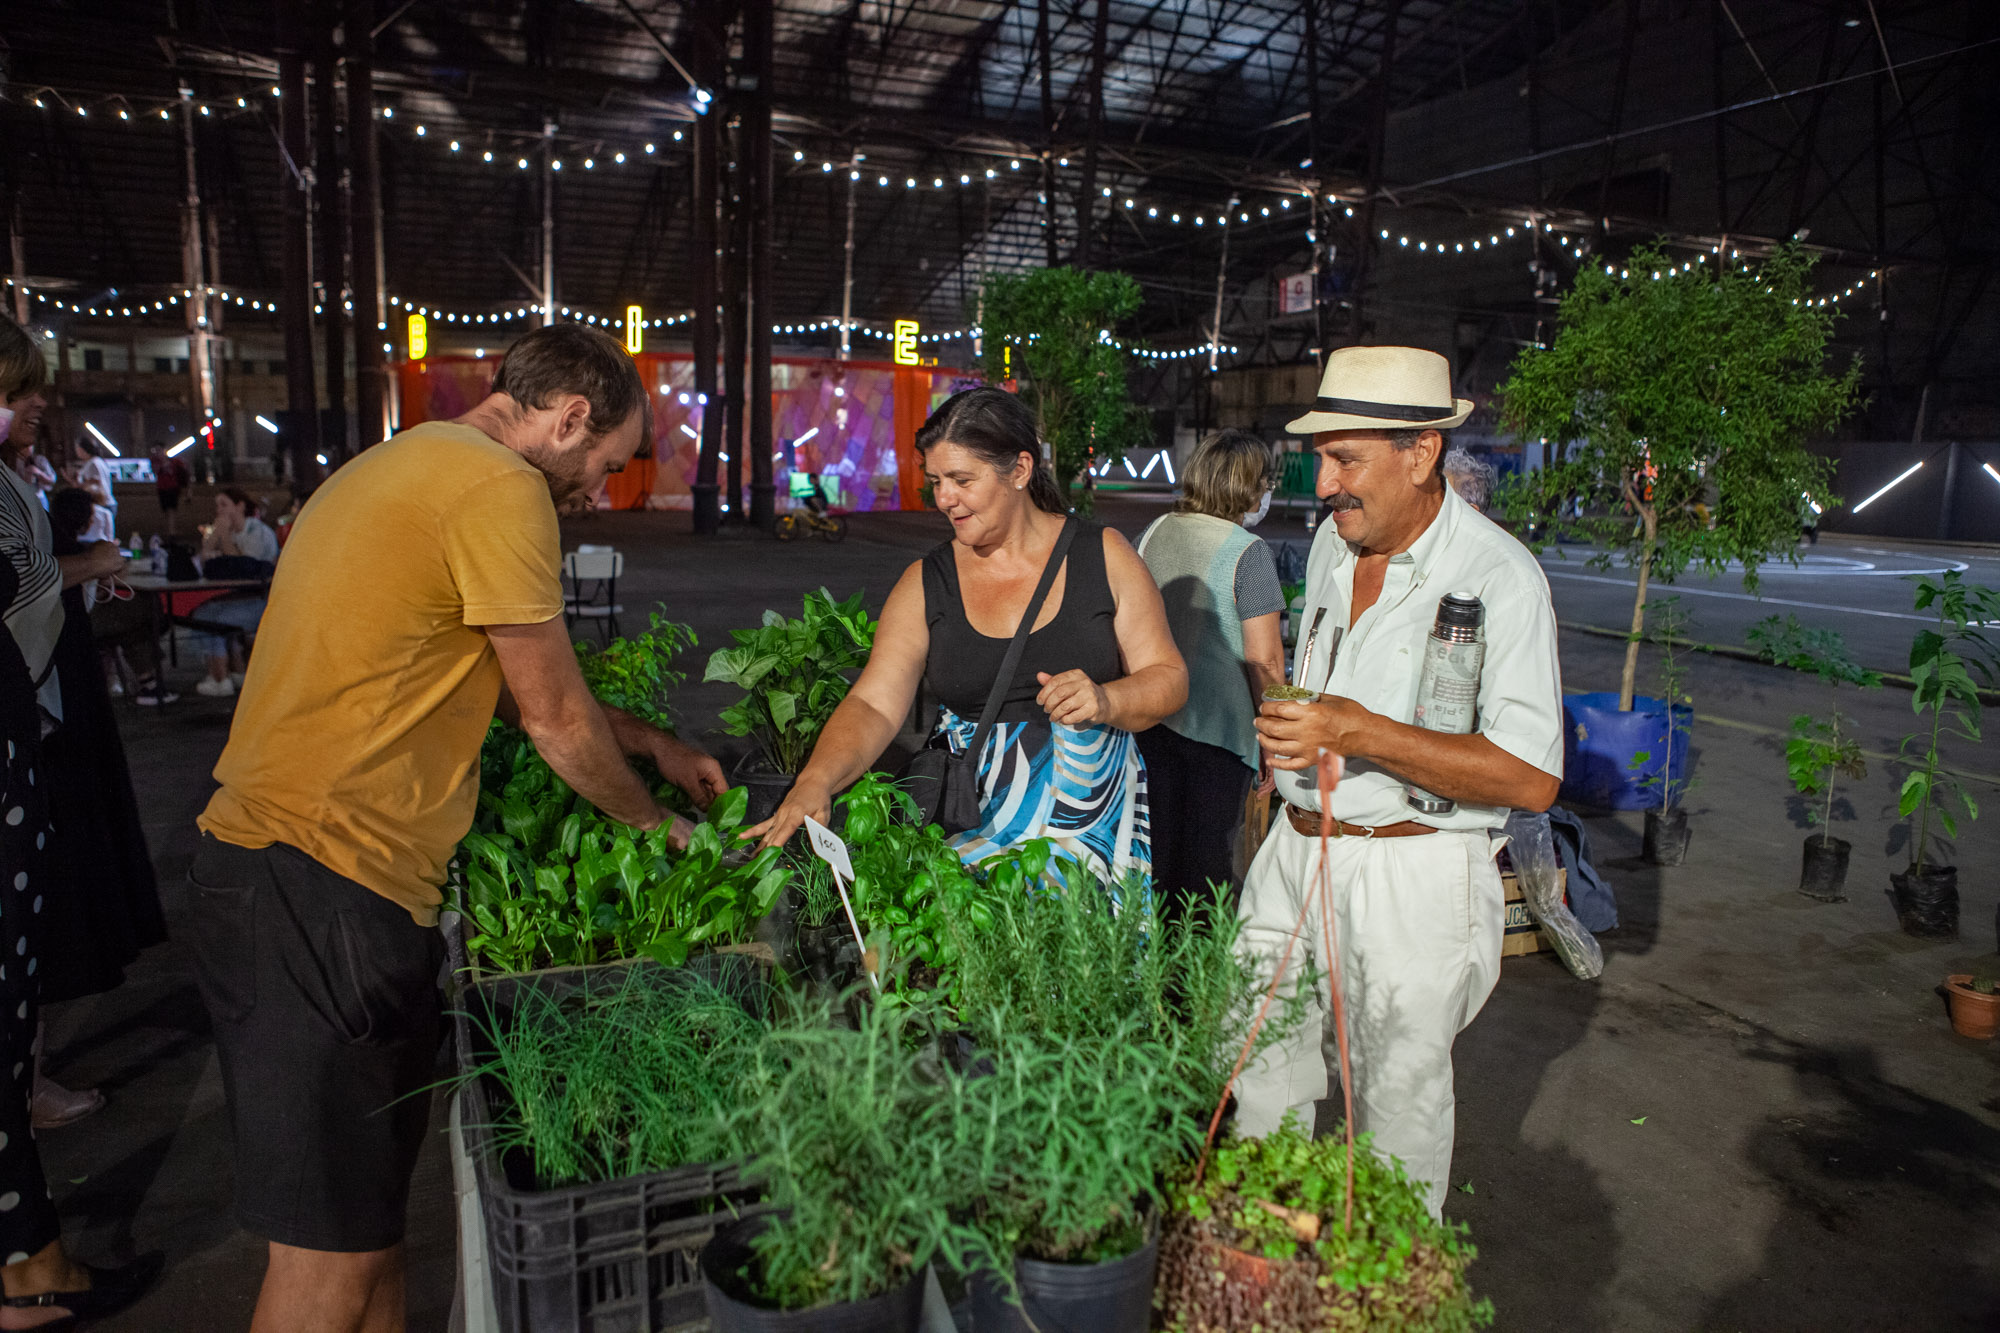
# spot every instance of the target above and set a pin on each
(1435, 118)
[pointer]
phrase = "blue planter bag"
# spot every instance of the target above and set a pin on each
(1599, 743)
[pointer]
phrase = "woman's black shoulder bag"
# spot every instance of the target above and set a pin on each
(944, 785)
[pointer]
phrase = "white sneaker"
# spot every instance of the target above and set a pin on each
(216, 689)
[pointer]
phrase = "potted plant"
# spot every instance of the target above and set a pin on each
(1113, 1031)
(1666, 781)
(1050, 331)
(793, 673)
(1821, 748)
(871, 1153)
(1974, 1005)
(1674, 403)
(1263, 1238)
(1942, 662)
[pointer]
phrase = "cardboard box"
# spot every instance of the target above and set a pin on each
(1520, 934)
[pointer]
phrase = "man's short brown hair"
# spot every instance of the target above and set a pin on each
(569, 358)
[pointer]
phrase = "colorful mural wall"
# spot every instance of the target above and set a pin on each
(849, 424)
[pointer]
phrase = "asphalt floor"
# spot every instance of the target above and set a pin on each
(1757, 1119)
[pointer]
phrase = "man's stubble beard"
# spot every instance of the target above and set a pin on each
(564, 473)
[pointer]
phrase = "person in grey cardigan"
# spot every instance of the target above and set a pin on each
(1223, 600)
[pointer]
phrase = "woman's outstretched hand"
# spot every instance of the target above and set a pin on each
(805, 798)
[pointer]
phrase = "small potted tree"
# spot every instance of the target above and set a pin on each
(794, 673)
(1051, 331)
(1675, 402)
(1822, 747)
(1974, 1003)
(1667, 782)
(1943, 660)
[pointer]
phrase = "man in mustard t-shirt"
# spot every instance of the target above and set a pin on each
(420, 591)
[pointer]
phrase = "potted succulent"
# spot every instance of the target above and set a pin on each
(1264, 1237)
(1822, 747)
(794, 673)
(1974, 1002)
(1943, 660)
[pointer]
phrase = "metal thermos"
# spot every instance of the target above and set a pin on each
(1448, 689)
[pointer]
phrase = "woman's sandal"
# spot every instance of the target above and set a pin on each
(110, 1290)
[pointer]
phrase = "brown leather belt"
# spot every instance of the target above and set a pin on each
(1307, 823)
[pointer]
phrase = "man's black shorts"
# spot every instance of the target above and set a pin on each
(327, 1017)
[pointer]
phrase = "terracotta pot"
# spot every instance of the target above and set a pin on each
(1972, 1014)
(1252, 1272)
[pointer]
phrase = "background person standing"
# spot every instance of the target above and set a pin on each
(1223, 597)
(421, 579)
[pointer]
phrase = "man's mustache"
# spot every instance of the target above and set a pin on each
(1342, 503)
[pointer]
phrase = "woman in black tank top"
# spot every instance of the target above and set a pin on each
(1099, 662)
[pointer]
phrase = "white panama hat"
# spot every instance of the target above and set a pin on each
(1384, 388)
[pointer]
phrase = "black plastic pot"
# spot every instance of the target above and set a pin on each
(1667, 836)
(831, 956)
(1824, 871)
(732, 1309)
(1927, 901)
(1115, 1296)
(765, 788)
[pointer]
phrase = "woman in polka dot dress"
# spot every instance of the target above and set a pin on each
(43, 1286)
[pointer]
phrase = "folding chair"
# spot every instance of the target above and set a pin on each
(593, 573)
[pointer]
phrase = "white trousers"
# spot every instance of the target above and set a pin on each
(1419, 922)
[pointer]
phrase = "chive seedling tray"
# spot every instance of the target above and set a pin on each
(613, 1256)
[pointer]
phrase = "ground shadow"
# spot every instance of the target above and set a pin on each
(1888, 1203)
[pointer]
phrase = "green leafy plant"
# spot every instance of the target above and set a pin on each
(1820, 748)
(558, 884)
(1985, 985)
(875, 1156)
(638, 674)
(1943, 661)
(1668, 631)
(1282, 1200)
(1053, 330)
(1676, 404)
(794, 673)
(617, 1081)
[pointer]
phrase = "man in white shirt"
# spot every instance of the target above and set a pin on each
(1416, 898)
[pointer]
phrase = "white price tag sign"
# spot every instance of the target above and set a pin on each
(830, 848)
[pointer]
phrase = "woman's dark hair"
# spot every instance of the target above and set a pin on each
(71, 510)
(999, 428)
(22, 370)
(252, 506)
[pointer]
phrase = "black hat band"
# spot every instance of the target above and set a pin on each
(1356, 407)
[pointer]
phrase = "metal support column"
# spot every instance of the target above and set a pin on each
(548, 274)
(847, 265)
(201, 400)
(363, 215)
(1221, 282)
(301, 425)
(735, 318)
(757, 40)
(17, 246)
(1049, 238)
(332, 236)
(702, 283)
(1086, 205)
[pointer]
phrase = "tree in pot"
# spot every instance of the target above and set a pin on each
(1052, 331)
(1822, 747)
(1261, 1239)
(794, 673)
(1675, 402)
(1667, 833)
(1943, 660)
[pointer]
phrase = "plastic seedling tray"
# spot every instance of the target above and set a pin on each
(614, 1256)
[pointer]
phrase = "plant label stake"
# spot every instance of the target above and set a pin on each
(827, 844)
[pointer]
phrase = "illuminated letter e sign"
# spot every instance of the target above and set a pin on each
(906, 342)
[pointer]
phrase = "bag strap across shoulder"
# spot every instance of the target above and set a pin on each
(1003, 681)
